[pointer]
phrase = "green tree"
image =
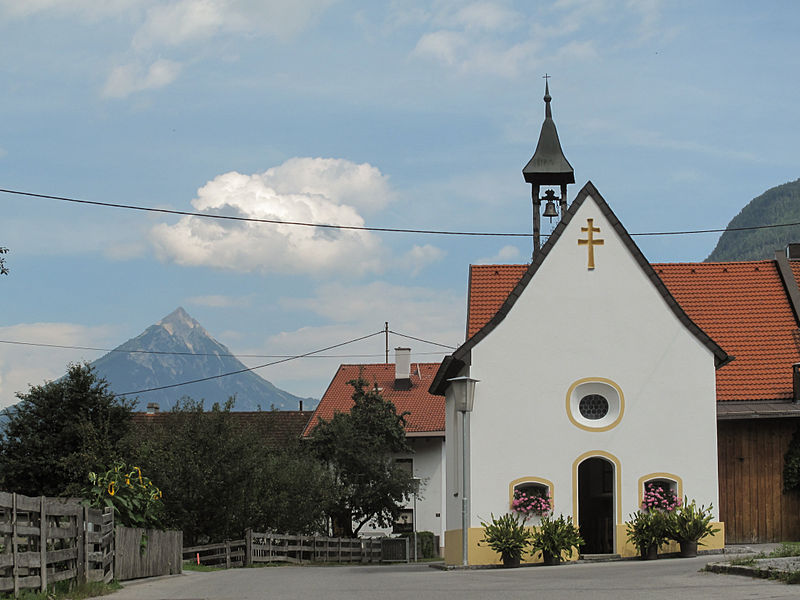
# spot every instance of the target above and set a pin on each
(359, 448)
(218, 478)
(60, 431)
(3, 267)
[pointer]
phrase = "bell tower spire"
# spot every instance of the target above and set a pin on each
(547, 168)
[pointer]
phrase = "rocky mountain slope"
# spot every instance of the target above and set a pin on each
(178, 349)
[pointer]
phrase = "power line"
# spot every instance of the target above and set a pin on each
(361, 227)
(255, 220)
(245, 370)
(66, 347)
(411, 337)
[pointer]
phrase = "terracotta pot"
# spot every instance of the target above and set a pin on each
(689, 549)
(551, 559)
(650, 553)
(510, 561)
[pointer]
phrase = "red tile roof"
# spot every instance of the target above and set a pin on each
(427, 410)
(277, 428)
(489, 286)
(743, 306)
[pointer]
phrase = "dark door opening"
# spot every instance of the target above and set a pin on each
(596, 505)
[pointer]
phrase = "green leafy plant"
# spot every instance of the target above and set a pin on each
(556, 536)
(647, 528)
(507, 535)
(690, 523)
(134, 498)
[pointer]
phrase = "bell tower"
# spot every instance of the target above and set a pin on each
(547, 168)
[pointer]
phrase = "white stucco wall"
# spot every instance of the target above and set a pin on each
(572, 323)
(428, 464)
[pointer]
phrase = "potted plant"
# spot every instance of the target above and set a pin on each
(508, 536)
(688, 524)
(554, 537)
(647, 530)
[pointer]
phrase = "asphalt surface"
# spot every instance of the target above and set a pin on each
(623, 580)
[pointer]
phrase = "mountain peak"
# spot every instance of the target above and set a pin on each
(179, 323)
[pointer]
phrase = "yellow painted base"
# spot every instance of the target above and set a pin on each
(479, 552)
(712, 542)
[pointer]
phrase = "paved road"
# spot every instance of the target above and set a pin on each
(624, 580)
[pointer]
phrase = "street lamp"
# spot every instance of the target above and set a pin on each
(464, 395)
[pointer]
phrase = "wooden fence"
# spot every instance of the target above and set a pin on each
(46, 540)
(273, 548)
(146, 553)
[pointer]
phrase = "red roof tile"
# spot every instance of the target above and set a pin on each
(743, 306)
(277, 428)
(427, 410)
(489, 286)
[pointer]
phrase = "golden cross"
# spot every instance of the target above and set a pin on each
(591, 242)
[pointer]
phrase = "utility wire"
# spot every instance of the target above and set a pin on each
(63, 346)
(255, 220)
(411, 337)
(247, 369)
(364, 228)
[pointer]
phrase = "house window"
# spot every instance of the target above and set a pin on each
(595, 404)
(404, 522)
(406, 464)
(531, 498)
(660, 490)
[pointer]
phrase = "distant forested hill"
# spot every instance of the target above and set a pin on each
(777, 205)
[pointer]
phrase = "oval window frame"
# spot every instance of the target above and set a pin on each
(600, 386)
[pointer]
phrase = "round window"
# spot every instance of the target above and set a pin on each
(593, 406)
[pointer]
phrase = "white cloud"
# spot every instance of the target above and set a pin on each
(22, 366)
(124, 80)
(420, 257)
(219, 301)
(186, 21)
(359, 185)
(506, 254)
(320, 193)
(354, 311)
(91, 9)
(488, 16)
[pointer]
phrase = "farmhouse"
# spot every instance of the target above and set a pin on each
(406, 385)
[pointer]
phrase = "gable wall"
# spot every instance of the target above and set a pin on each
(572, 323)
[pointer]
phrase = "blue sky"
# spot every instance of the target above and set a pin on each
(391, 114)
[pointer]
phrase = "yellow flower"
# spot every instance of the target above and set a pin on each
(140, 473)
(127, 481)
(112, 488)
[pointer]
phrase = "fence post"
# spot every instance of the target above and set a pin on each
(80, 536)
(14, 557)
(43, 543)
(248, 547)
(227, 554)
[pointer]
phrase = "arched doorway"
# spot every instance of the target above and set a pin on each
(596, 505)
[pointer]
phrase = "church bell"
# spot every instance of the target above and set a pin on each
(547, 167)
(550, 205)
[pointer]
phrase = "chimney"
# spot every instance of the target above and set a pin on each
(402, 368)
(301, 406)
(152, 408)
(796, 383)
(793, 251)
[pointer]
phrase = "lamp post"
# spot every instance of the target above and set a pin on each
(416, 481)
(464, 395)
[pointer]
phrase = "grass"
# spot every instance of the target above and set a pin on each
(63, 591)
(193, 566)
(786, 549)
